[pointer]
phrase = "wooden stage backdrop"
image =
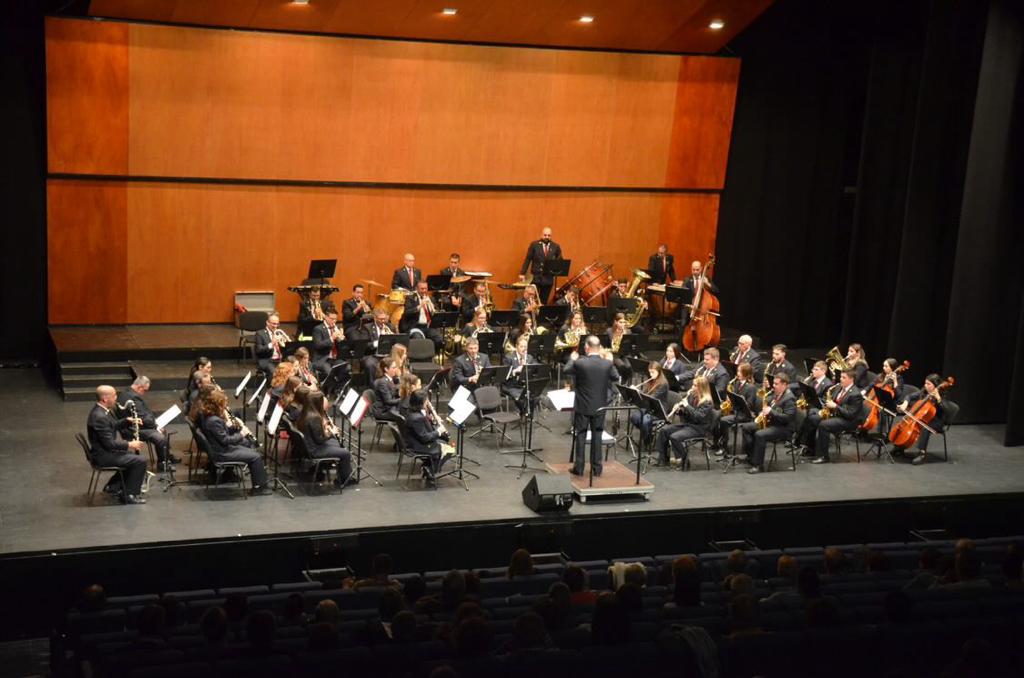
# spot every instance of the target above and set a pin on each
(186, 163)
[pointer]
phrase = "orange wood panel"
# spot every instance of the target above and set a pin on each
(689, 228)
(702, 129)
(190, 247)
(87, 252)
(87, 96)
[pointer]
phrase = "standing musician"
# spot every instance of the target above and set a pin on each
(743, 353)
(454, 301)
(808, 427)
(778, 415)
(304, 369)
(661, 266)
(711, 369)
(694, 411)
(419, 309)
(857, 359)
(743, 386)
(690, 283)
(616, 332)
(407, 277)
(229, 439)
(467, 367)
(385, 388)
(537, 253)
(322, 436)
(423, 434)
(270, 343)
(148, 432)
(846, 407)
(353, 312)
(478, 325)
(515, 386)
(326, 337)
(593, 376)
(930, 390)
(673, 361)
(656, 386)
(108, 449)
(777, 365)
(453, 269)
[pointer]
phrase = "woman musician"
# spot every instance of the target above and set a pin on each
(615, 334)
(694, 411)
(673, 361)
(304, 369)
(891, 378)
(525, 328)
(423, 436)
(228, 438)
(571, 333)
(930, 390)
(408, 384)
(857, 359)
(478, 325)
(322, 436)
(656, 386)
(289, 393)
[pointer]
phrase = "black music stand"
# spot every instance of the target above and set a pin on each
(650, 405)
(880, 441)
(459, 472)
(387, 341)
(625, 305)
(639, 366)
(336, 379)
(673, 380)
(491, 343)
(320, 271)
(632, 397)
(742, 411)
(810, 395)
(358, 472)
(534, 384)
(436, 283)
(554, 268)
(503, 319)
(681, 296)
(595, 315)
(730, 367)
(552, 315)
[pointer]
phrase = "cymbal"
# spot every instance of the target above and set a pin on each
(519, 285)
(372, 283)
(461, 279)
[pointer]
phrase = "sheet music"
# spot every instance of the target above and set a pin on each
(461, 412)
(261, 415)
(241, 386)
(349, 401)
(562, 399)
(358, 411)
(167, 417)
(275, 419)
(461, 396)
(606, 438)
(256, 393)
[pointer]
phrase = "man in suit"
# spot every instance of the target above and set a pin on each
(779, 364)
(661, 266)
(537, 253)
(808, 428)
(353, 311)
(470, 302)
(378, 328)
(711, 369)
(148, 432)
(690, 283)
(326, 336)
(453, 302)
(453, 269)
(464, 367)
(110, 449)
(593, 377)
(408, 276)
(743, 353)
(269, 350)
(847, 407)
(780, 409)
(419, 309)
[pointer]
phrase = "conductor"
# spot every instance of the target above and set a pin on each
(594, 376)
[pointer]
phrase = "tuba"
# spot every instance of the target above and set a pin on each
(836, 361)
(639, 276)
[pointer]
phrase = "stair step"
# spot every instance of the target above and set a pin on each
(79, 393)
(93, 368)
(97, 379)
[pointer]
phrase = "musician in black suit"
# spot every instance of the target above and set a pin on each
(378, 328)
(110, 449)
(515, 386)
(743, 353)
(661, 266)
(695, 412)
(408, 276)
(421, 435)
(690, 283)
(466, 368)
(269, 345)
(656, 386)
(473, 302)
(743, 386)
(673, 361)
(326, 337)
(385, 388)
(537, 253)
(847, 408)
(148, 432)
(322, 437)
(228, 442)
(808, 427)
(780, 412)
(779, 364)
(711, 369)
(453, 268)
(594, 376)
(419, 309)
(312, 309)
(353, 313)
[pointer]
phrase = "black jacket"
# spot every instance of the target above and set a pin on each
(103, 428)
(419, 437)
(146, 414)
(593, 377)
(322, 342)
(400, 278)
(657, 269)
(387, 396)
(463, 369)
(535, 259)
(851, 408)
(783, 412)
(220, 437)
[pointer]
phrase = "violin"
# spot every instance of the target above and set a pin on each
(887, 384)
(702, 330)
(905, 433)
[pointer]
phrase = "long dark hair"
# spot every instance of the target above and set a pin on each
(313, 410)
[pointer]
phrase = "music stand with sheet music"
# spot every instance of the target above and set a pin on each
(553, 315)
(491, 343)
(554, 268)
(438, 282)
(595, 315)
(353, 407)
(443, 320)
(639, 366)
(336, 379)
(742, 412)
(272, 425)
(624, 305)
(503, 319)
(387, 341)
(458, 419)
(673, 381)
(534, 383)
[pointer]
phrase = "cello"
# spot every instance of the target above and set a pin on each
(889, 387)
(906, 432)
(702, 330)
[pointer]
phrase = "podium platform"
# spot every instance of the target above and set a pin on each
(615, 480)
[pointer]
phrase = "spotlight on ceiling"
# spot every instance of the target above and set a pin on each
(300, 2)
(716, 24)
(449, 11)
(586, 19)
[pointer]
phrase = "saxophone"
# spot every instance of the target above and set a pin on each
(762, 419)
(726, 406)
(617, 341)
(825, 412)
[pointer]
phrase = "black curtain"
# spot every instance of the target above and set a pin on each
(868, 196)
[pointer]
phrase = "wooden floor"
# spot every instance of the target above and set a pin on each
(616, 480)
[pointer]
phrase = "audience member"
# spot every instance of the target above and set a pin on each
(610, 624)
(327, 612)
(453, 592)
(741, 584)
(380, 575)
(929, 570)
(967, 568)
(630, 597)
(528, 633)
(94, 599)
(403, 627)
(294, 613)
(686, 582)
(259, 631)
(575, 577)
(835, 561)
(521, 564)
(150, 625)
(322, 637)
(744, 616)
(174, 611)
(473, 637)
(735, 564)
(414, 589)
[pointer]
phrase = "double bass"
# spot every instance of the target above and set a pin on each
(888, 384)
(906, 432)
(702, 330)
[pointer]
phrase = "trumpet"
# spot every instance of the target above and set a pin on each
(337, 333)
(317, 309)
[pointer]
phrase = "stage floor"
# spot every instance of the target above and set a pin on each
(43, 506)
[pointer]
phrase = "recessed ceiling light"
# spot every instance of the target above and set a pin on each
(300, 2)
(586, 19)
(716, 24)
(449, 11)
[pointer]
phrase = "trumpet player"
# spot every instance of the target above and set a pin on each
(354, 311)
(326, 337)
(479, 300)
(467, 367)
(227, 440)
(270, 343)
(377, 329)
(322, 436)
(528, 302)
(423, 436)
(694, 413)
(776, 421)
(111, 449)
(571, 299)
(846, 410)
(419, 309)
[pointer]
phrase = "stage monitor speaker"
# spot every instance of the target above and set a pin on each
(548, 493)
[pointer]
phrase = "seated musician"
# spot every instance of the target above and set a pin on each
(229, 439)
(407, 277)
(478, 325)
(304, 368)
(466, 367)
(108, 448)
(930, 389)
(200, 378)
(808, 427)
(423, 436)
(524, 329)
(419, 309)
(321, 436)
(711, 369)
(515, 386)
(528, 302)
(471, 303)
(857, 359)
(778, 364)
(203, 365)
(277, 382)
(694, 413)
(571, 299)
(148, 432)
(743, 386)
(616, 331)
(618, 290)
(289, 396)
(778, 413)
(354, 311)
(400, 357)
(690, 283)
(743, 353)
(408, 384)
(571, 334)
(890, 378)
(326, 337)
(269, 345)
(655, 386)
(377, 329)
(847, 413)
(673, 361)
(661, 266)
(385, 388)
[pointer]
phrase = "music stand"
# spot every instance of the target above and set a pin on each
(741, 411)
(639, 366)
(649, 405)
(555, 268)
(491, 343)
(534, 384)
(811, 396)
(673, 381)
(879, 441)
(595, 315)
(730, 367)
(436, 283)
(459, 473)
(625, 305)
(443, 320)
(335, 379)
(387, 341)
(504, 318)
(552, 316)
(320, 271)
(678, 294)
(632, 397)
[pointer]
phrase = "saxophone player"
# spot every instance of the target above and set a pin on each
(778, 416)
(744, 353)
(326, 337)
(819, 380)
(110, 449)
(467, 367)
(270, 343)
(846, 407)
(694, 412)
(743, 386)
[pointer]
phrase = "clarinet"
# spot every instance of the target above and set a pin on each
(235, 422)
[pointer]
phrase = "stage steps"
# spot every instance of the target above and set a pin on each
(171, 375)
(78, 380)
